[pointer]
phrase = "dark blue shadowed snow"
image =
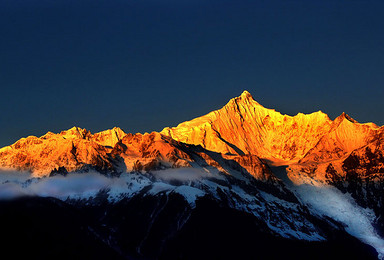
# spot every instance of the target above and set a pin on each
(282, 217)
(329, 201)
(195, 183)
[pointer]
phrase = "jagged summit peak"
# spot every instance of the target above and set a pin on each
(345, 116)
(246, 94)
(75, 131)
(116, 128)
(349, 118)
(245, 99)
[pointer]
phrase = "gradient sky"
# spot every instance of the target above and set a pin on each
(143, 65)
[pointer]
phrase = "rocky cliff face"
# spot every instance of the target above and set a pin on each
(149, 152)
(350, 158)
(78, 150)
(109, 137)
(344, 136)
(242, 132)
(73, 149)
(243, 126)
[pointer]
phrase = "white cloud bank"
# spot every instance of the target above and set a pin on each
(85, 185)
(13, 185)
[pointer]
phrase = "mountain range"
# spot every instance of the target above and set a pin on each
(235, 182)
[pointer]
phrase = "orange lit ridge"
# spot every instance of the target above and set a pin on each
(243, 131)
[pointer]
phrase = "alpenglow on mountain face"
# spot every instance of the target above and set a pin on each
(238, 178)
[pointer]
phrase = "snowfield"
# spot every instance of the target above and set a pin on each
(283, 217)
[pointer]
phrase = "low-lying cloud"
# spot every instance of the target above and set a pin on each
(13, 185)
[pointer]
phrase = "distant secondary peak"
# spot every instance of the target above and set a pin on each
(344, 116)
(75, 129)
(75, 132)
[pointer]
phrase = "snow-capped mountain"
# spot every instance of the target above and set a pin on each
(235, 182)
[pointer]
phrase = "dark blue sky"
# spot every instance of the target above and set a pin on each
(143, 65)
